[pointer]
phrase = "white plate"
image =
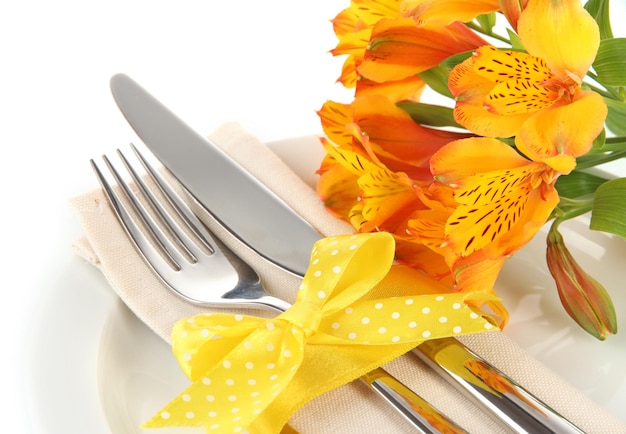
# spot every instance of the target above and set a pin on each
(136, 372)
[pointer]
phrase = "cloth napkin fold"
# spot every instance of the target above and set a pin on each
(350, 408)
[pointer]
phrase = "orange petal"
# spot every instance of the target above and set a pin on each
(444, 12)
(561, 32)
(399, 49)
(467, 157)
(408, 89)
(334, 117)
(337, 188)
(471, 90)
(395, 138)
(564, 129)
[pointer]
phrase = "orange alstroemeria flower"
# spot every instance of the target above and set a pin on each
(502, 201)
(538, 94)
(399, 48)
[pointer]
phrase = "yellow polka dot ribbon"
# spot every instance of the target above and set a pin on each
(354, 312)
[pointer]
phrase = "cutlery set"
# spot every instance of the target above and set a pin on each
(196, 265)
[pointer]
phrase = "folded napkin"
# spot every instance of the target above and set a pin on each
(350, 408)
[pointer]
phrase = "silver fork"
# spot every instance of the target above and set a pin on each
(197, 266)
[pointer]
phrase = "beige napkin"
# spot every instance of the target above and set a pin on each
(352, 408)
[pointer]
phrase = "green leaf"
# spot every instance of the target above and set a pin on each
(578, 184)
(487, 21)
(516, 42)
(616, 118)
(455, 59)
(610, 63)
(609, 208)
(430, 114)
(437, 79)
(599, 10)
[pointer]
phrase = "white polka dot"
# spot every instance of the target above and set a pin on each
(274, 377)
(456, 306)
(365, 320)
(353, 246)
(254, 394)
(412, 324)
(269, 347)
(234, 410)
(230, 382)
(352, 336)
(184, 334)
(439, 297)
(318, 273)
(270, 326)
(426, 310)
(395, 315)
(252, 382)
(271, 366)
(210, 398)
(315, 261)
(238, 317)
(321, 294)
(443, 319)
(488, 326)
(165, 415)
(212, 414)
(457, 329)
(215, 426)
(249, 365)
(232, 398)
(336, 269)
(409, 301)
(395, 339)
(185, 397)
(378, 306)
(204, 333)
(349, 311)
(190, 415)
(334, 252)
(473, 315)
(426, 333)
(206, 381)
(187, 356)
(287, 353)
(226, 364)
(335, 325)
(382, 330)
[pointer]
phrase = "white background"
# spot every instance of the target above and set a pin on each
(262, 63)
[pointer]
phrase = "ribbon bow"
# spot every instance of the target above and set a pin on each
(354, 312)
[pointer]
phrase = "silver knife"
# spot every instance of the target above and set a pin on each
(284, 238)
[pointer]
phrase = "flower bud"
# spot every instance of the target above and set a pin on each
(584, 298)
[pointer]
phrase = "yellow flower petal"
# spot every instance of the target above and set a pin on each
(565, 129)
(561, 32)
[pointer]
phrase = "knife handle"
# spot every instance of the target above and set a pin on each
(492, 389)
(424, 417)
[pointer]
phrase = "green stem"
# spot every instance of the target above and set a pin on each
(591, 160)
(609, 93)
(571, 208)
(479, 29)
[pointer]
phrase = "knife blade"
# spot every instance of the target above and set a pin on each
(199, 165)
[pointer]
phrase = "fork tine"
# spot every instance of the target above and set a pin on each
(142, 242)
(178, 237)
(178, 205)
